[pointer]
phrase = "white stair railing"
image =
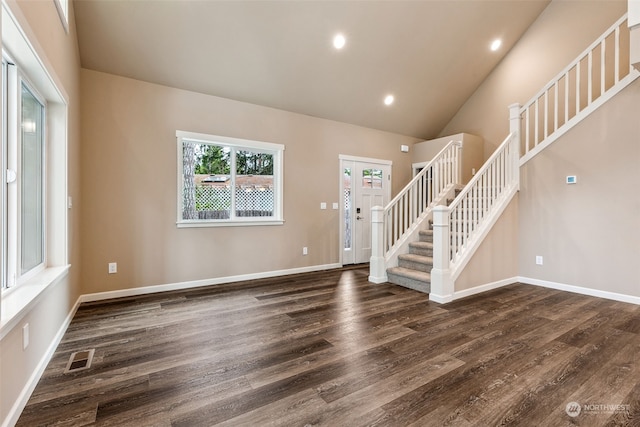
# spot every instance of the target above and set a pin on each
(394, 224)
(596, 75)
(458, 229)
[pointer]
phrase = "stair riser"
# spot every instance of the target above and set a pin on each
(420, 251)
(418, 266)
(426, 239)
(409, 283)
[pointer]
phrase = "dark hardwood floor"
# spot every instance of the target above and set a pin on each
(332, 349)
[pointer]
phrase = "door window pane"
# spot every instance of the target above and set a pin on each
(346, 183)
(372, 178)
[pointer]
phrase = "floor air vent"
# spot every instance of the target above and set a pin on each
(79, 361)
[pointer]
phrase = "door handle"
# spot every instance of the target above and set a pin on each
(359, 217)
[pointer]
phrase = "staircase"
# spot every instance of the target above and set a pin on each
(414, 268)
(423, 240)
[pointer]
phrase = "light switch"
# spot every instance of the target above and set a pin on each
(335, 206)
(323, 205)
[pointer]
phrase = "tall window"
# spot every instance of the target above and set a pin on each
(63, 11)
(228, 181)
(24, 151)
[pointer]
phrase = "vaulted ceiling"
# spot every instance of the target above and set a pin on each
(431, 55)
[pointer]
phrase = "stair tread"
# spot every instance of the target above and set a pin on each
(422, 245)
(412, 274)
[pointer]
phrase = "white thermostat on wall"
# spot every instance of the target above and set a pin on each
(571, 179)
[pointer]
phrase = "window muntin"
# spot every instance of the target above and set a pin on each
(228, 181)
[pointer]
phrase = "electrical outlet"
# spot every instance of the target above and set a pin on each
(113, 267)
(305, 251)
(25, 336)
(538, 260)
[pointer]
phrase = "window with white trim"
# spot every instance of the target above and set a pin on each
(33, 192)
(63, 10)
(24, 153)
(228, 181)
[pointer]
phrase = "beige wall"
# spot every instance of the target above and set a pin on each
(497, 257)
(129, 185)
(588, 233)
(561, 32)
(472, 152)
(40, 19)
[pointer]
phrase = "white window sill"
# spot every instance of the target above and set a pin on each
(196, 223)
(17, 301)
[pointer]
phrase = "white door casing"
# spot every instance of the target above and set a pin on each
(364, 183)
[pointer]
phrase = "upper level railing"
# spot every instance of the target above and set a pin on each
(576, 90)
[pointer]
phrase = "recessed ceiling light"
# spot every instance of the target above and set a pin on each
(495, 45)
(339, 41)
(388, 100)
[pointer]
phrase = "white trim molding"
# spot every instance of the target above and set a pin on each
(581, 290)
(484, 288)
(16, 410)
(443, 299)
(99, 296)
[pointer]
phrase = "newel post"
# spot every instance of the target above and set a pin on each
(377, 267)
(515, 126)
(458, 160)
(441, 283)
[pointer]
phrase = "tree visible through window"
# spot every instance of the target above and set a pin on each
(228, 180)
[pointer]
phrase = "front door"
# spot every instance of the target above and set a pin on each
(366, 183)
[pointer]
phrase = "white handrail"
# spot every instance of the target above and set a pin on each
(417, 196)
(458, 229)
(595, 76)
(393, 225)
(475, 202)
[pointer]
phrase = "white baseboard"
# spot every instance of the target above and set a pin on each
(484, 288)
(20, 403)
(581, 290)
(14, 414)
(440, 299)
(378, 280)
(199, 283)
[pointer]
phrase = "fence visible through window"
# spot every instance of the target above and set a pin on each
(251, 200)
